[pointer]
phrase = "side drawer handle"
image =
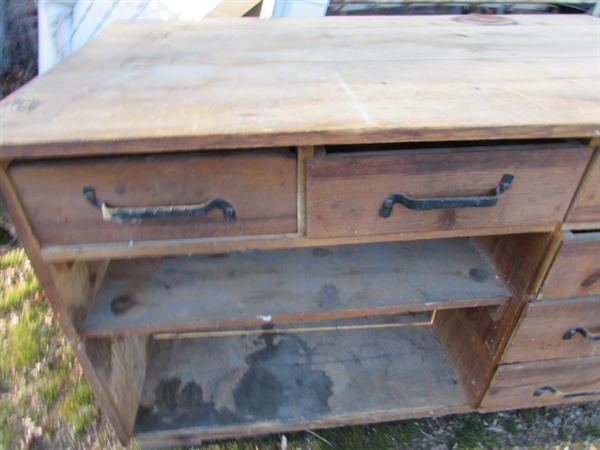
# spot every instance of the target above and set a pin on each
(561, 394)
(584, 332)
(110, 213)
(423, 204)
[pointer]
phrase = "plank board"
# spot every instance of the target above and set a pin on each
(247, 384)
(257, 287)
(140, 87)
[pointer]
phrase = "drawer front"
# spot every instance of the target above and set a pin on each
(576, 270)
(587, 207)
(544, 383)
(346, 191)
(259, 186)
(557, 329)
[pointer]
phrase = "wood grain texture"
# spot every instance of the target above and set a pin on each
(76, 281)
(172, 247)
(463, 333)
(514, 384)
(540, 334)
(586, 209)
(120, 364)
(246, 385)
(520, 259)
(258, 287)
(261, 186)
(345, 191)
(141, 87)
(576, 270)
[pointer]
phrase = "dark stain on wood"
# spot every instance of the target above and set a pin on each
(121, 304)
(479, 275)
(593, 278)
(329, 295)
(279, 383)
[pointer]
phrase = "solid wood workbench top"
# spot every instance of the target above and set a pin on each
(226, 83)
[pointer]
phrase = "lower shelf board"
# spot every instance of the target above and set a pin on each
(212, 388)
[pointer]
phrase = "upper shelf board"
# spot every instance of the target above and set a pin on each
(225, 83)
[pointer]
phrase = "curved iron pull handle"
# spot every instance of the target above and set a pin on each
(110, 213)
(423, 204)
(583, 331)
(561, 394)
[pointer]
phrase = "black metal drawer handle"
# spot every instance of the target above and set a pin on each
(561, 394)
(110, 213)
(584, 332)
(423, 204)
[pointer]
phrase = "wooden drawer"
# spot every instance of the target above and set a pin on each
(587, 206)
(556, 329)
(260, 186)
(576, 270)
(346, 191)
(532, 384)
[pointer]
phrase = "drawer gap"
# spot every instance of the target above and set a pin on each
(204, 292)
(210, 388)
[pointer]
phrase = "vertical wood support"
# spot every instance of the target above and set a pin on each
(304, 154)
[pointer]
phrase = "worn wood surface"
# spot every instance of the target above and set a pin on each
(253, 288)
(119, 363)
(69, 287)
(520, 259)
(241, 385)
(345, 191)
(540, 334)
(576, 270)
(514, 384)
(586, 209)
(141, 87)
(462, 333)
(244, 243)
(261, 186)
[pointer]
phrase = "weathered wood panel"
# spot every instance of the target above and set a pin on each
(346, 191)
(514, 385)
(540, 333)
(244, 385)
(576, 270)
(142, 87)
(261, 187)
(250, 288)
(586, 210)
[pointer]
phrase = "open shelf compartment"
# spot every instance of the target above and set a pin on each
(214, 387)
(188, 293)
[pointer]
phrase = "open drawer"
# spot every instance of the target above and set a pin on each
(137, 199)
(441, 189)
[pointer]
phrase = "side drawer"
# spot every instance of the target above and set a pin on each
(576, 270)
(545, 383)
(557, 329)
(260, 186)
(587, 206)
(346, 191)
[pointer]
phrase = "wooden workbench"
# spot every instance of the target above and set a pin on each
(251, 226)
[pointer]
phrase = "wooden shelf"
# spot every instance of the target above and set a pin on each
(179, 294)
(213, 387)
